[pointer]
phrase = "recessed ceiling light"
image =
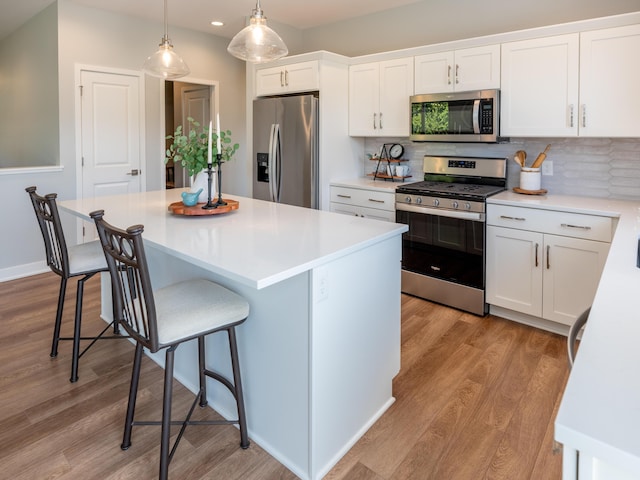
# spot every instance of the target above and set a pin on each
(217, 23)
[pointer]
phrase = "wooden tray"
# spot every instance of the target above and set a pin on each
(179, 208)
(529, 192)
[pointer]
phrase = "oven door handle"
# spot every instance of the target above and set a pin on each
(473, 216)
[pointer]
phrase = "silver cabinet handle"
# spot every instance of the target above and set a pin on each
(375, 117)
(581, 227)
(380, 121)
(286, 78)
(584, 115)
(506, 217)
(134, 172)
(376, 200)
(281, 78)
(548, 257)
(340, 195)
(537, 245)
(448, 74)
(571, 115)
(457, 78)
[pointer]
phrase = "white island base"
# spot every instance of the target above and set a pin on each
(321, 346)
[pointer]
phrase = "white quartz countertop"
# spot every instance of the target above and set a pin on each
(259, 244)
(600, 410)
(368, 183)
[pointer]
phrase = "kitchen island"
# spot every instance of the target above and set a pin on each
(322, 343)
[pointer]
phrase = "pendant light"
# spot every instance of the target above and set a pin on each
(165, 63)
(257, 43)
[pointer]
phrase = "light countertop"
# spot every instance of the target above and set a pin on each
(259, 244)
(600, 410)
(368, 183)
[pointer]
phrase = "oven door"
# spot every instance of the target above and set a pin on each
(444, 245)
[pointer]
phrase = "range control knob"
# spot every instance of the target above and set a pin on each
(467, 206)
(407, 199)
(436, 202)
(454, 204)
(419, 200)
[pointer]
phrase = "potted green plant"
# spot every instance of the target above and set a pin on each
(190, 150)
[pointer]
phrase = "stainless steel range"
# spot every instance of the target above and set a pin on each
(443, 252)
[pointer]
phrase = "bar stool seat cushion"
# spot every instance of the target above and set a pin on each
(190, 308)
(86, 257)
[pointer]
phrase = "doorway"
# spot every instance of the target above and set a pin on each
(184, 100)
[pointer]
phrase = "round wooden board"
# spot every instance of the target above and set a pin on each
(529, 192)
(179, 208)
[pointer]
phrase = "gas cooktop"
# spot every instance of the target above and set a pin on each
(450, 189)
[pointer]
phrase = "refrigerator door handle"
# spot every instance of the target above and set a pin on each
(271, 161)
(277, 169)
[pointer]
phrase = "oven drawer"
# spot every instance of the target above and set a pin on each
(577, 225)
(364, 198)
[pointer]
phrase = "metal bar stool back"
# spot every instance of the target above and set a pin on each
(164, 319)
(573, 335)
(83, 260)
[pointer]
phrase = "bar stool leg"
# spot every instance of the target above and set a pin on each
(133, 392)
(56, 327)
(166, 413)
(76, 332)
(202, 367)
(237, 382)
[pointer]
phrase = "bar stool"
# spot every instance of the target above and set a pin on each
(84, 260)
(573, 335)
(163, 320)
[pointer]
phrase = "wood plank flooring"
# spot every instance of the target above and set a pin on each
(475, 399)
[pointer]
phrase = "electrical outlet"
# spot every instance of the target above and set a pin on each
(547, 167)
(321, 283)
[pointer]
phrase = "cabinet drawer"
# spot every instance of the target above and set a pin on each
(363, 212)
(364, 198)
(577, 225)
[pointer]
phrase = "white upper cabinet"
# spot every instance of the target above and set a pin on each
(296, 77)
(539, 87)
(609, 82)
(582, 84)
(475, 68)
(379, 98)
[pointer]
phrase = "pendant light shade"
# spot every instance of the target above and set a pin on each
(257, 43)
(165, 63)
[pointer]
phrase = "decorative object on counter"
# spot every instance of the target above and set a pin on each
(257, 43)
(179, 208)
(192, 151)
(530, 177)
(189, 199)
(165, 63)
(390, 153)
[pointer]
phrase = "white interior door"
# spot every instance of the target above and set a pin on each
(111, 132)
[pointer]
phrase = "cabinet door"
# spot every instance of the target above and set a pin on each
(396, 86)
(514, 269)
(302, 77)
(434, 73)
(477, 68)
(269, 81)
(572, 270)
(609, 80)
(539, 87)
(364, 107)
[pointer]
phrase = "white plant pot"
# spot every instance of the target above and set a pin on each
(201, 181)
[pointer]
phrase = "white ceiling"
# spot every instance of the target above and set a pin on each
(197, 14)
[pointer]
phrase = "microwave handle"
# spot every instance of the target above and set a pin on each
(476, 116)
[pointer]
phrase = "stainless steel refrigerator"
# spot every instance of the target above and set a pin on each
(285, 150)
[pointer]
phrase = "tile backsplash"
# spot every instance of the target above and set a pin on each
(592, 167)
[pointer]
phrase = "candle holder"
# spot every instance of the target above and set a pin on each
(210, 204)
(219, 160)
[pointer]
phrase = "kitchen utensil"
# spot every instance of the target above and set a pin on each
(538, 161)
(521, 157)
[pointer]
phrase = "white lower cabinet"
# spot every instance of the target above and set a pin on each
(364, 203)
(545, 263)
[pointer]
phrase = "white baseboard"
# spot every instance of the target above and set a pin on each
(25, 270)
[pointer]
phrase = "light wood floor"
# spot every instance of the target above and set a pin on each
(476, 398)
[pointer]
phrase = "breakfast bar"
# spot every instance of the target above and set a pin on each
(322, 343)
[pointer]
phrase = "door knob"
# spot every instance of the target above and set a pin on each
(134, 172)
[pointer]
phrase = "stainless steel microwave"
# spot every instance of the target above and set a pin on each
(456, 117)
